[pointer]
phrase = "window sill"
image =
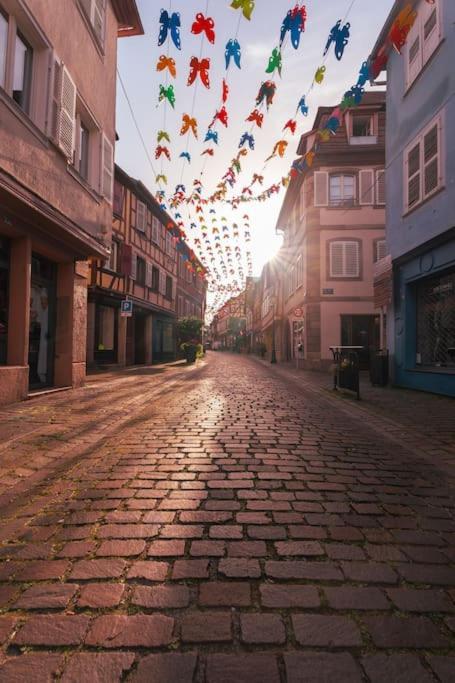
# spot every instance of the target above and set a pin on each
(23, 117)
(367, 140)
(83, 183)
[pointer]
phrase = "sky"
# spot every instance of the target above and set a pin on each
(137, 61)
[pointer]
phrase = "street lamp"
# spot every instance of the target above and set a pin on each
(273, 355)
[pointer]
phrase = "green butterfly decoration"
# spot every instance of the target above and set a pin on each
(167, 94)
(275, 61)
(162, 135)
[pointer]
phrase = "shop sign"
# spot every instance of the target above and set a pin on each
(126, 308)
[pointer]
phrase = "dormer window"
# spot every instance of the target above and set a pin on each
(362, 129)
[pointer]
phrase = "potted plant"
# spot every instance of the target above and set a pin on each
(189, 334)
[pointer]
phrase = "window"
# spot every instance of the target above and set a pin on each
(362, 126)
(95, 11)
(119, 193)
(140, 271)
(435, 308)
(422, 165)
(3, 46)
(380, 187)
(107, 168)
(168, 293)
(141, 216)
(155, 278)
(342, 190)
(64, 110)
(424, 38)
(362, 129)
(156, 227)
(380, 250)
(169, 244)
(299, 269)
(113, 263)
(22, 72)
(106, 328)
(83, 150)
(344, 259)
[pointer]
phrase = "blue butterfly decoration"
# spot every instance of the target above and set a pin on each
(179, 188)
(212, 211)
(211, 135)
(333, 124)
(233, 51)
(293, 23)
(160, 194)
(302, 106)
(193, 225)
(247, 138)
(364, 75)
(186, 155)
(178, 215)
(172, 24)
(339, 36)
(163, 206)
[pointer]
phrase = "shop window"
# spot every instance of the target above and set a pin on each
(106, 328)
(140, 271)
(4, 297)
(22, 72)
(435, 304)
(344, 257)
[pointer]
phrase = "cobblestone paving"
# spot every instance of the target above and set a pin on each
(237, 528)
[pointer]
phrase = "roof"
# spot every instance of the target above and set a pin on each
(128, 18)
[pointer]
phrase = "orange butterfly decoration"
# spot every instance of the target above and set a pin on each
(188, 124)
(167, 63)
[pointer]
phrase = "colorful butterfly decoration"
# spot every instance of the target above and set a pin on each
(160, 150)
(162, 135)
(188, 124)
(221, 116)
(225, 91)
(233, 51)
(186, 155)
(247, 7)
(170, 23)
(302, 106)
(167, 94)
(280, 148)
(267, 93)
(275, 62)
(294, 23)
(211, 136)
(339, 36)
(319, 75)
(209, 151)
(247, 138)
(290, 125)
(204, 25)
(167, 63)
(401, 27)
(199, 68)
(161, 178)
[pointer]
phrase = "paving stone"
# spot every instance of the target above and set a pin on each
(206, 627)
(411, 632)
(7, 625)
(98, 569)
(99, 595)
(399, 668)
(317, 630)
(166, 668)
(148, 569)
(321, 667)
(289, 596)
(444, 667)
(190, 569)
(111, 631)
(259, 629)
(242, 668)
(47, 596)
(420, 600)
(161, 597)
(238, 568)
(120, 548)
(39, 668)
(99, 667)
(356, 598)
(224, 594)
(53, 630)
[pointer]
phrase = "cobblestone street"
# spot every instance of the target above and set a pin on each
(226, 522)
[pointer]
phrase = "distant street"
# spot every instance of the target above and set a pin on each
(227, 521)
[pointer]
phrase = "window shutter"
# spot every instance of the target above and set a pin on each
(141, 216)
(431, 160)
(366, 182)
(336, 259)
(380, 249)
(174, 289)
(107, 168)
(351, 259)
(133, 274)
(380, 187)
(148, 275)
(413, 175)
(56, 98)
(98, 13)
(66, 128)
(162, 287)
(155, 230)
(321, 188)
(431, 30)
(414, 52)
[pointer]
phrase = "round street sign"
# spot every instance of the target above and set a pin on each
(298, 312)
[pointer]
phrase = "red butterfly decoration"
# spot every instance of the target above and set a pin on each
(206, 25)
(200, 67)
(208, 151)
(291, 124)
(256, 117)
(222, 116)
(162, 150)
(225, 91)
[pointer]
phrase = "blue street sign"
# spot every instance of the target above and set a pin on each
(126, 308)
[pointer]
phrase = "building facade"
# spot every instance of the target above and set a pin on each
(333, 223)
(229, 325)
(420, 199)
(57, 135)
(142, 268)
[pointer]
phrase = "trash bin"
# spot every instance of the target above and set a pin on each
(379, 368)
(347, 368)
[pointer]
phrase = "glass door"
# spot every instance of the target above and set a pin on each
(42, 323)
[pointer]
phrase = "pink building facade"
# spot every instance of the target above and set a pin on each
(57, 136)
(333, 222)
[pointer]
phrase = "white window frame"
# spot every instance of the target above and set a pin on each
(371, 139)
(427, 46)
(107, 168)
(439, 121)
(343, 201)
(95, 10)
(344, 274)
